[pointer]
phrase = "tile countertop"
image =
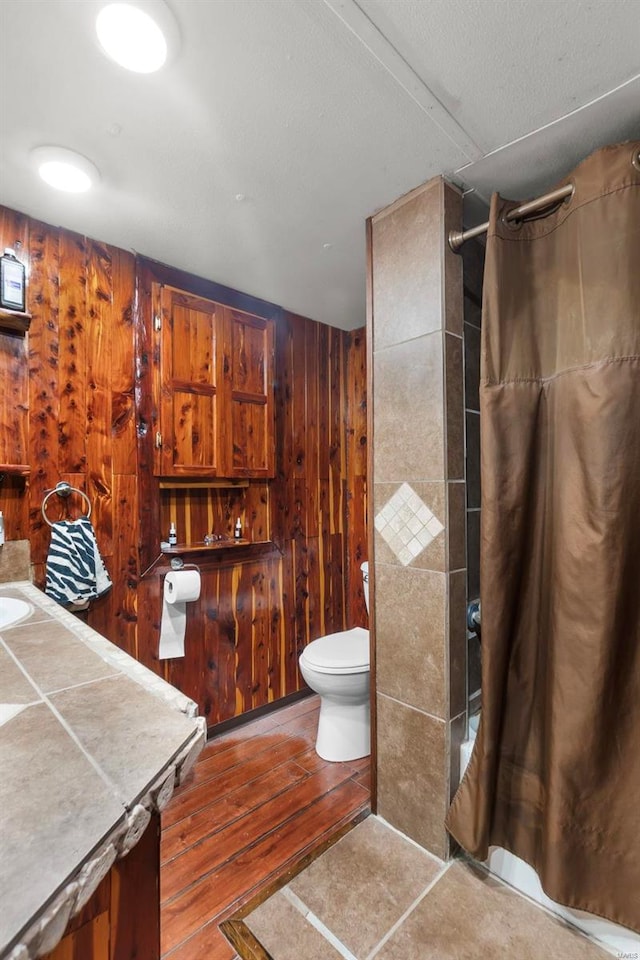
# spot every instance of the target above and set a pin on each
(91, 744)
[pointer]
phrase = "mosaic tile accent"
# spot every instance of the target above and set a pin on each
(407, 524)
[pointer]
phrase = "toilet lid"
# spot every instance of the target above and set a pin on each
(345, 651)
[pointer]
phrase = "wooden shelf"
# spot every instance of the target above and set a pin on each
(205, 547)
(177, 483)
(14, 320)
(226, 548)
(15, 469)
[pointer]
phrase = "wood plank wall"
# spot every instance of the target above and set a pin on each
(77, 400)
(73, 397)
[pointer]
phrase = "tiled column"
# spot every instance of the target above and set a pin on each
(418, 509)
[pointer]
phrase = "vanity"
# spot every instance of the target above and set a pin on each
(92, 745)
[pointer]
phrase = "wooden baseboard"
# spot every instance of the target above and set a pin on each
(225, 725)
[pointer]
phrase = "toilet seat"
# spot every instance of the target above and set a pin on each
(343, 652)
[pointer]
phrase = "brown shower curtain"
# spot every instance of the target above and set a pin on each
(555, 772)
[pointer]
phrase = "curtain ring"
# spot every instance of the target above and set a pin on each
(513, 225)
(635, 160)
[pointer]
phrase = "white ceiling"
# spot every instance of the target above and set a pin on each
(318, 112)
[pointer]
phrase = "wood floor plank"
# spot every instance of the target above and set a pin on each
(305, 726)
(364, 779)
(217, 761)
(309, 704)
(188, 800)
(235, 881)
(266, 724)
(364, 763)
(228, 808)
(246, 731)
(312, 762)
(209, 943)
(242, 834)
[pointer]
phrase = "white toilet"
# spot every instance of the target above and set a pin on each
(337, 668)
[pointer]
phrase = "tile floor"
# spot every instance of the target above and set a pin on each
(375, 894)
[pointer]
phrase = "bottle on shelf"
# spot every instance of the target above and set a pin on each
(12, 282)
(237, 530)
(173, 536)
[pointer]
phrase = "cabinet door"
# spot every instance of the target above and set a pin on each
(191, 440)
(250, 350)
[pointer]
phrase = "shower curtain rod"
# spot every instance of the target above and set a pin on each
(458, 237)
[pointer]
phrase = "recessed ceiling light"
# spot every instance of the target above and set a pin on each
(138, 35)
(65, 169)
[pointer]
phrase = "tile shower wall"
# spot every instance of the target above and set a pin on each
(418, 509)
(473, 268)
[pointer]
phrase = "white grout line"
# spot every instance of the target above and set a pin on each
(311, 918)
(402, 343)
(410, 706)
(389, 826)
(113, 787)
(409, 910)
(85, 683)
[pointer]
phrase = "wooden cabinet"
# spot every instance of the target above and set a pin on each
(191, 438)
(250, 448)
(215, 388)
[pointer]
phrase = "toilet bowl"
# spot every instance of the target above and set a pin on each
(337, 668)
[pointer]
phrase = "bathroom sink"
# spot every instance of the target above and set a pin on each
(10, 710)
(12, 610)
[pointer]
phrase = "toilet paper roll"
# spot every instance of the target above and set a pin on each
(180, 587)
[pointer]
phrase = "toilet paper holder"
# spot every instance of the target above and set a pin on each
(177, 563)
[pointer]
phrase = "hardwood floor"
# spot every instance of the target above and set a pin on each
(258, 801)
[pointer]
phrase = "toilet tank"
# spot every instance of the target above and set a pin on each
(365, 582)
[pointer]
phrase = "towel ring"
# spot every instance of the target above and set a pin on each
(64, 489)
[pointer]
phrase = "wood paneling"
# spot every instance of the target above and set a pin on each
(81, 425)
(81, 382)
(14, 397)
(135, 899)
(44, 390)
(99, 447)
(123, 415)
(72, 348)
(122, 918)
(245, 634)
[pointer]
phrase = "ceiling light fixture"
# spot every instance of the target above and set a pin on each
(65, 169)
(139, 36)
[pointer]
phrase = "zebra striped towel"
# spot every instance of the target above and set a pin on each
(76, 572)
